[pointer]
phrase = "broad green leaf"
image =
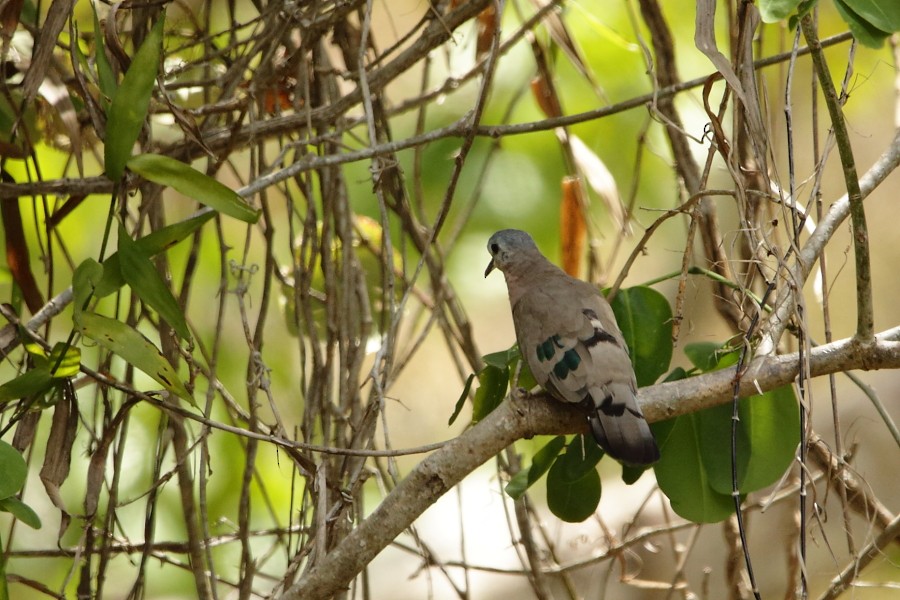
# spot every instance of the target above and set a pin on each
(105, 75)
(572, 501)
(133, 347)
(149, 245)
(881, 14)
(631, 473)
(21, 511)
(581, 456)
(462, 399)
(492, 386)
(193, 184)
(540, 464)
(682, 477)
(502, 359)
(868, 33)
(12, 470)
(776, 10)
(29, 383)
(645, 318)
(710, 356)
(131, 101)
(773, 420)
(768, 434)
(714, 427)
(140, 274)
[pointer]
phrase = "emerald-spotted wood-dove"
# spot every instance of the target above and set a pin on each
(569, 338)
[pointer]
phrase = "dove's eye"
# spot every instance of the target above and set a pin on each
(495, 248)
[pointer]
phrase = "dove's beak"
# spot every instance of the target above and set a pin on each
(490, 268)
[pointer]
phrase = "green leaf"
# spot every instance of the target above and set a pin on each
(193, 184)
(140, 274)
(710, 356)
(130, 103)
(773, 421)
(767, 436)
(149, 245)
(70, 364)
(492, 385)
(462, 399)
(579, 458)
(570, 500)
(682, 477)
(502, 359)
(85, 280)
(714, 426)
(863, 30)
(30, 383)
(105, 75)
(12, 470)
(881, 14)
(21, 511)
(645, 318)
(540, 464)
(631, 473)
(132, 346)
(776, 10)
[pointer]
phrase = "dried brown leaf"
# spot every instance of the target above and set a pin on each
(572, 226)
(59, 452)
(600, 179)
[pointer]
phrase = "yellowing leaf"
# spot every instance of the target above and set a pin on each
(133, 347)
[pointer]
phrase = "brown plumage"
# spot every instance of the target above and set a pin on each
(570, 340)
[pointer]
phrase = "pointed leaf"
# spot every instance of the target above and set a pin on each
(502, 359)
(492, 386)
(21, 511)
(133, 347)
(105, 76)
(131, 101)
(193, 184)
(462, 399)
(149, 245)
(645, 318)
(140, 274)
(12, 470)
(29, 383)
(540, 464)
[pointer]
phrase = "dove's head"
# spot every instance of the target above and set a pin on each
(510, 247)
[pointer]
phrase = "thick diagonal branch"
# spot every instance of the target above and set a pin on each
(513, 420)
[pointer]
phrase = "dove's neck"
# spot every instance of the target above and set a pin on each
(523, 276)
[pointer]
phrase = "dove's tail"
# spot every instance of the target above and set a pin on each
(621, 429)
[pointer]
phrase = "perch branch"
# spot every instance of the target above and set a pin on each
(515, 419)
